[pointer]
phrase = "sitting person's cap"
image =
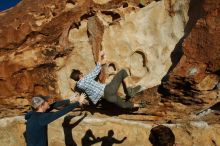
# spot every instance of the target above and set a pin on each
(37, 101)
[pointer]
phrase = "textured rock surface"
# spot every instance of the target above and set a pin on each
(195, 79)
(196, 133)
(41, 46)
(175, 42)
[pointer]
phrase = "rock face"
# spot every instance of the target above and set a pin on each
(170, 47)
(195, 78)
(40, 46)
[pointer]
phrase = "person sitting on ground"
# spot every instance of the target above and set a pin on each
(162, 136)
(96, 91)
(40, 117)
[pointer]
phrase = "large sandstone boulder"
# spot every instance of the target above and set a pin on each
(170, 47)
(195, 78)
(41, 45)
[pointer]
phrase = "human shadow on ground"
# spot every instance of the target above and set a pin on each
(67, 128)
(89, 139)
(109, 140)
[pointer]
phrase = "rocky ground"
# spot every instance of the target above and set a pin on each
(170, 47)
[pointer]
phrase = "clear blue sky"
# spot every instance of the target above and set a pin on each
(5, 4)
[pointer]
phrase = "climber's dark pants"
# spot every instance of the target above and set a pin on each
(111, 89)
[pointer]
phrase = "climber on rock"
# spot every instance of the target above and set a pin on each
(96, 91)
